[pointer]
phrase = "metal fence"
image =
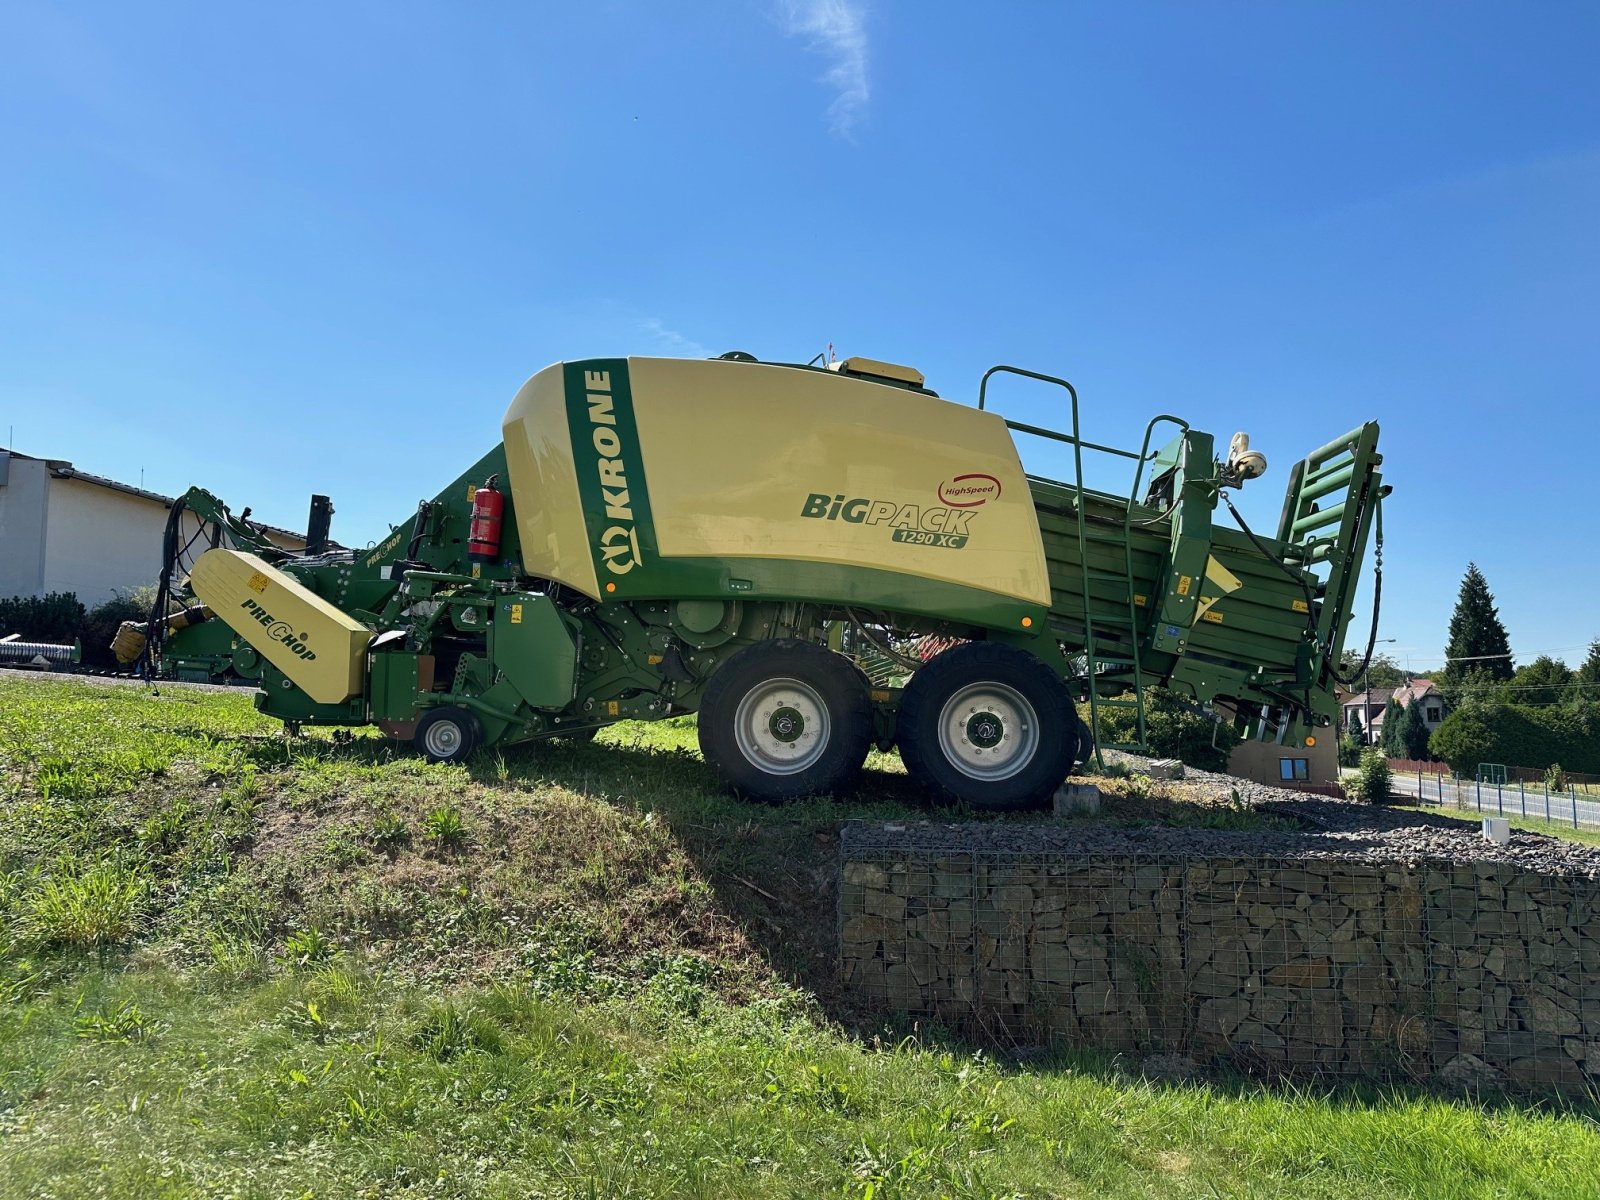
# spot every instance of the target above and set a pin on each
(1520, 798)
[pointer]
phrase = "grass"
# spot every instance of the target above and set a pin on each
(232, 964)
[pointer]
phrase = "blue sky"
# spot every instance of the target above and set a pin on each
(318, 247)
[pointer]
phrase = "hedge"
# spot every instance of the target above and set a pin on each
(1516, 735)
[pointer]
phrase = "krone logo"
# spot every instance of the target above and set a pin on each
(969, 491)
(620, 545)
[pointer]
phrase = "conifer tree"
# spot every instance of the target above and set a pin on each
(1414, 731)
(1477, 646)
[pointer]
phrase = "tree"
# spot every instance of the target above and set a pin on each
(1394, 718)
(1466, 739)
(1589, 672)
(1414, 731)
(1477, 646)
(1358, 731)
(1382, 672)
(1540, 682)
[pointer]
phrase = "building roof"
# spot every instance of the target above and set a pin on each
(60, 468)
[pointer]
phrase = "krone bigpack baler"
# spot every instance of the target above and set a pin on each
(816, 559)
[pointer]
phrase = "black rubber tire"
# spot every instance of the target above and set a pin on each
(1054, 733)
(455, 734)
(832, 679)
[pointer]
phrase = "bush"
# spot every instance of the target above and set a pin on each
(1555, 778)
(1174, 730)
(1349, 750)
(103, 620)
(1372, 783)
(57, 617)
(1519, 736)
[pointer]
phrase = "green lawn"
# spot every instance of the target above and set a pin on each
(233, 965)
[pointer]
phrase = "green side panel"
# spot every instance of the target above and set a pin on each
(280, 698)
(531, 646)
(392, 684)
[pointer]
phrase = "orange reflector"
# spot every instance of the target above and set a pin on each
(611, 587)
(1311, 741)
(1027, 621)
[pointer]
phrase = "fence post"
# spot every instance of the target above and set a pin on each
(1574, 808)
(1500, 798)
(1547, 798)
(1522, 790)
(1477, 786)
(1421, 795)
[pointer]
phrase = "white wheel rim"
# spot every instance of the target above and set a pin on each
(988, 731)
(782, 726)
(442, 739)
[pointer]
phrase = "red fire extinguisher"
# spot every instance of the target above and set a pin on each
(483, 536)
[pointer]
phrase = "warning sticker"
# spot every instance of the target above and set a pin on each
(257, 582)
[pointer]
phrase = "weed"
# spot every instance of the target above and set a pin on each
(388, 831)
(342, 845)
(125, 1023)
(445, 826)
(236, 960)
(94, 910)
(164, 832)
(306, 946)
(447, 1033)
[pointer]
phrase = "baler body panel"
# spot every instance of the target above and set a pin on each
(739, 479)
(315, 644)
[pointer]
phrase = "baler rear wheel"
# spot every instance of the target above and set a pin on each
(449, 734)
(988, 724)
(785, 718)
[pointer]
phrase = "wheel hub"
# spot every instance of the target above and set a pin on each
(787, 724)
(989, 731)
(443, 739)
(782, 726)
(985, 730)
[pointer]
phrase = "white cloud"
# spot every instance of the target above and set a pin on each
(836, 28)
(671, 341)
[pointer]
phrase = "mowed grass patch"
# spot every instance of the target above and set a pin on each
(236, 964)
(327, 1081)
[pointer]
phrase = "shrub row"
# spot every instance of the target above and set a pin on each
(1519, 736)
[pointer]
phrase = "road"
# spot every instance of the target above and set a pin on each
(1565, 807)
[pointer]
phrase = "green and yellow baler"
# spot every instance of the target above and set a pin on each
(736, 538)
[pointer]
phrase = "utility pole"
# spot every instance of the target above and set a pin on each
(1366, 690)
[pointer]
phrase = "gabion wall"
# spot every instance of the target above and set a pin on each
(1477, 972)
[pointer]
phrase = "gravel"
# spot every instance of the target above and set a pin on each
(1325, 829)
(10, 673)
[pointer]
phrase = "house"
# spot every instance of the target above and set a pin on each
(1370, 706)
(65, 530)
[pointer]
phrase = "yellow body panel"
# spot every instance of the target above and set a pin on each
(297, 631)
(544, 483)
(736, 458)
(731, 456)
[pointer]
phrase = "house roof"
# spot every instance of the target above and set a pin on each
(61, 468)
(1374, 699)
(1414, 688)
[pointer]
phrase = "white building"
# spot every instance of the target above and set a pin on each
(65, 530)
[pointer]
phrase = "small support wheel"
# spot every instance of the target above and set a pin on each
(447, 735)
(786, 718)
(988, 724)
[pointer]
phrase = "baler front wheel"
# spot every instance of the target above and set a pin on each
(988, 724)
(448, 735)
(784, 719)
